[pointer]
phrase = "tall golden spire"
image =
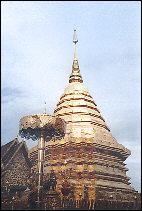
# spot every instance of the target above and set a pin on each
(75, 75)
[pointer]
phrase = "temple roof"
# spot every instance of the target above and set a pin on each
(5, 148)
(10, 149)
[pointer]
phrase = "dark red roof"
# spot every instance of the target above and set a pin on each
(5, 148)
(8, 150)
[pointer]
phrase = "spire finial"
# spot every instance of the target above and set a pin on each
(75, 75)
(44, 109)
(75, 40)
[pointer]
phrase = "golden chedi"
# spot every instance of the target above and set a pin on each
(88, 157)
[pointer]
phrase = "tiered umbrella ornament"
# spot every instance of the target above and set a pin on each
(41, 127)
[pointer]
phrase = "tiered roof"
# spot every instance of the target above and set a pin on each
(10, 150)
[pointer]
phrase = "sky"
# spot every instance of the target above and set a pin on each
(37, 57)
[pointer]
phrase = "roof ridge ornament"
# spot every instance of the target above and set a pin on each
(44, 109)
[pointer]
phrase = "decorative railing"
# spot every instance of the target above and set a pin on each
(69, 204)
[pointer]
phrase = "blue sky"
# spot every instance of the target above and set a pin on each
(37, 56)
